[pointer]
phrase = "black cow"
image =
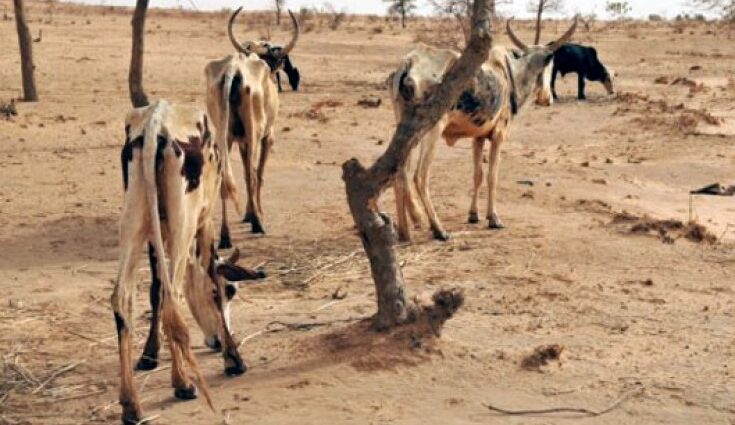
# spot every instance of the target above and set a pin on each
(277, 62)
(582, 60)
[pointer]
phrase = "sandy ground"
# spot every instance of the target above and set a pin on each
(640, 315)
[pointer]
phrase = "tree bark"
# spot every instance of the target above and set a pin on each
(364, 186)
(539, 12)
(26, 53)
(135, 78)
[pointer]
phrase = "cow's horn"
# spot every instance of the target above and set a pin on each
(247, 47)
(521, 45)
(566, 37)
(294, 38)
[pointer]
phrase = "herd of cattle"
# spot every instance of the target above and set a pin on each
(175, 164)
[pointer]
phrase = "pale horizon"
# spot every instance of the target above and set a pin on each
(640, 8)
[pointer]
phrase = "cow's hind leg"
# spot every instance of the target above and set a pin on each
(224, 234)
(247, 154)
(265, 149)
(132, 237)
(477, 145)
(498, 137)
(421, 178)
(400, 187)
(149, 359)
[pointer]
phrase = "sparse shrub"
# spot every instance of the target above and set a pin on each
(655, 18)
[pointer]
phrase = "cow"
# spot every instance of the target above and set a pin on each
(484, 111)
(171, 170)
(277, 57)
(242, 100)
(584, 62)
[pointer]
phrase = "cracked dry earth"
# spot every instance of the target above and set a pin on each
(635, 313)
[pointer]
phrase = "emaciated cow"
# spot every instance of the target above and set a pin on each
(171, 171)
(584, 61)
(484, 111)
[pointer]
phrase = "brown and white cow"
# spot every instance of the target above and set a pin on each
(484, 111)
(171, 175)
(242, 100)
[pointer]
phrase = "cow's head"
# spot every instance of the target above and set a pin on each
(275, 56)
(422, 69)
(199, 293)
(596, 71)
(533, 65)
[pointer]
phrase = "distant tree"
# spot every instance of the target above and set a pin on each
(279, 6)
(462, 10)
(724, 8)
(402, 8)
(539, 7)
(619, 9)
(26, 53)
(135, 76)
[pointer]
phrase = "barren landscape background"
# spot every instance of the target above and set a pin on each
(641, 306)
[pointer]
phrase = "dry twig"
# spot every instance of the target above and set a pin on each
(577, 410)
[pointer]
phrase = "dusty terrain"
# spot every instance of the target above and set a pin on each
(642, 311)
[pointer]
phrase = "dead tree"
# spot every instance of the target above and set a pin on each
(279, 6)
(402, 8)
(26, 53)
(724, 8)
(365, 185)
(539, 7)
(135, 77)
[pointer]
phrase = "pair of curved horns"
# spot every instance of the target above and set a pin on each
(554, 46)
(253, 47)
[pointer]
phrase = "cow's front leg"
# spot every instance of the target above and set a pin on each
(498, 137)
(580, 87)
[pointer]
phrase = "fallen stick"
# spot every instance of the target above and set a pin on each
(582, 411)
(56, 374)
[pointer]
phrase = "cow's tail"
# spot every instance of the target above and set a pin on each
(173, 324)
(228, 188)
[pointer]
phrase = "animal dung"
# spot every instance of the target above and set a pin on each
(541, 356)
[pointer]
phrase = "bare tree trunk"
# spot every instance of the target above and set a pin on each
(135, 77)
(540, 12)
(403, 18)
(364, 186)
(26, 53)
(278, 14)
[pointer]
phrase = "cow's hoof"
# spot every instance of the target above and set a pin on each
(132, 419)
(257, 228)
(213, 343)
(495, 224)
(238, 369)
(131, 415)
(146, 363)
(473, 218)
(261, 274)
(441, 236)
(224, 243)
(234, 366)
(248, 217)
(188, 393)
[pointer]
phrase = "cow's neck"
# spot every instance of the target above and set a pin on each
(520, 86)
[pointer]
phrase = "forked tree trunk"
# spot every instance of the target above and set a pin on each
(135, 77)
(26, 53)
(364, 186)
